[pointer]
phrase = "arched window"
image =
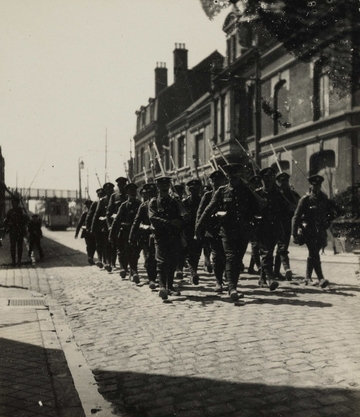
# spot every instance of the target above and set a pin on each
(323, 163)
(276, 105)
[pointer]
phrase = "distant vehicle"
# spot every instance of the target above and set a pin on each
(56, 215)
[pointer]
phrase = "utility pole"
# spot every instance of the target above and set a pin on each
(257, 99)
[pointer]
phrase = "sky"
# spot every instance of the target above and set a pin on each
(72, 75)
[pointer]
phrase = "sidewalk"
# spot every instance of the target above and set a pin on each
(34, 376)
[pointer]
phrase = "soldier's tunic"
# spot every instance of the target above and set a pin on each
(115, 201)
(313, 216)
(128, 252)
(100, 230)
(85, 233)
(235, 229)
(213, 237)
(15, 222)
(141, 232)
(162, 211)
(269, 230)
(194, 247)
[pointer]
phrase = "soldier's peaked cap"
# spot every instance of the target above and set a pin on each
(281, 175)
(267, 172)
(194, 183)
(148, 187)
(255, 178)
(131, 186)
(179, 187)
(316, 179)
(163, 179)
(99, 190)
(234, 168)
(121, 179)
(108, 185)
(217, 174)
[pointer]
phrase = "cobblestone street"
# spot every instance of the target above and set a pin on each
(294, 352)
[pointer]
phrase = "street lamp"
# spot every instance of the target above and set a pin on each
(80, 166)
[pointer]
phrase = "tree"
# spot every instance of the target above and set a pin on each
(328, 29)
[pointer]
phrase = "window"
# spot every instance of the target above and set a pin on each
(321, 160)
(142, 159)
(250, 110)
(181, 152)
(233, 48)
(222, 118)
(216, 120)
(200, 148)
(321, 102)
(277, 114)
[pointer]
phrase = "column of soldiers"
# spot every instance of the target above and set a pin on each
(172, 230)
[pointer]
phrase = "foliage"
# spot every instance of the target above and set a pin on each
(309, 28)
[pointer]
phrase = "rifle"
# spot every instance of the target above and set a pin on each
(276, 158)
(182, 209)
(145, 175)
(295, 162)
(127, 172)
(251, 159)
(175, 168)
(15, 196)
(97, 178)
(213, 157)
(254, 193)
(151, 162)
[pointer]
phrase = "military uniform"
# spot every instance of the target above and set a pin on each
(115, 201)
(238, 205)
(193, 246)
(100, 229)
(291, 198)
(166, 218)
(269, 227)
(142, 233)
(212, 230)
(128, 252)
(85, 233)
(312, 218)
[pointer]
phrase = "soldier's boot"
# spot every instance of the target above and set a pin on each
(162, 284)
(273, 284)
(318, 270)
(309, 270)
(277, 266)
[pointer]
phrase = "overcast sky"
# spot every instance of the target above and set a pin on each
(70, 69)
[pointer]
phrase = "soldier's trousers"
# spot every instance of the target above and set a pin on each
(90, 244)
(193, 253)
(314, 244)
(16, 245)
(128, 254)
(234, 248)
(267, 240)
(166, 251)
(148, 248)
(103, 247)
(282, 251)
(217, 257)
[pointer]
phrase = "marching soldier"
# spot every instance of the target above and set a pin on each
(238, 204)
(142, 232)
(127, 251)
(256, 183)
(217, 179)
(194, 246)
(312, 218)
(100, 229)
(166, 218)
(282, 180)
(116, 199)
(89, 238)
(88, 226)
(269, 229)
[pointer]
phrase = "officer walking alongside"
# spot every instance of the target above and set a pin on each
(238, 204)
(312, 217)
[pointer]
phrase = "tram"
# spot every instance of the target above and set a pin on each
(56, 215)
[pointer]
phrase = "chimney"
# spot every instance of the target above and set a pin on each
(180, 60)
(160, 77)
